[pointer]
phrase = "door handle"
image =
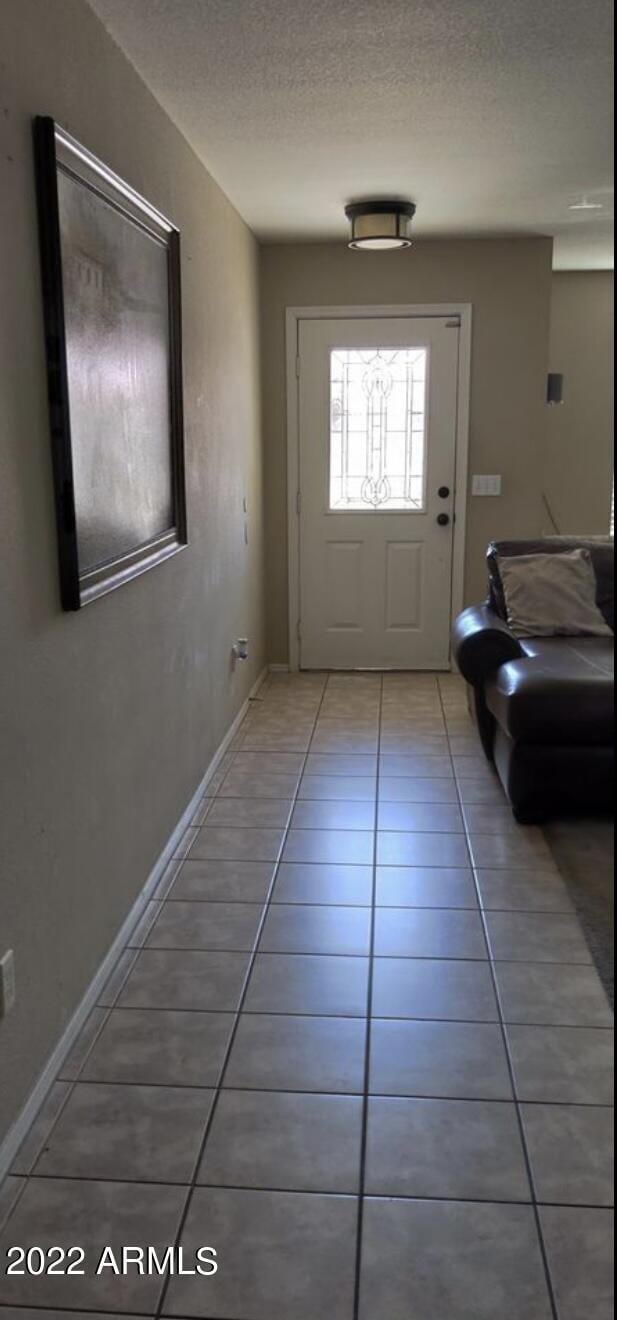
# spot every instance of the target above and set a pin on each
(443, 519)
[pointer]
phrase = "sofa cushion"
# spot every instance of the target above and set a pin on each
(601, 549)
(550, 595)
(561, 693)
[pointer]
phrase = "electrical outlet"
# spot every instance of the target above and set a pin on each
(486, 485)
(7, 983)
(240, 649)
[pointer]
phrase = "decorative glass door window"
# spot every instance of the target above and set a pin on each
(378, 428)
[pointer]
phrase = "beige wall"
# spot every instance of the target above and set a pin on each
(508, 283)
(578, 466)
(111, 715)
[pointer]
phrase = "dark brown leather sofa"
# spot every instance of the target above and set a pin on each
(544, 705)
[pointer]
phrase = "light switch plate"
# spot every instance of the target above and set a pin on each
(486, 485)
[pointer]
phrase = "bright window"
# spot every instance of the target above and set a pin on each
(378, 428)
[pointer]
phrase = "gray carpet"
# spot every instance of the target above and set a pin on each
(584, 851)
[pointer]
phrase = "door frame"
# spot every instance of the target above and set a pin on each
(293, 317)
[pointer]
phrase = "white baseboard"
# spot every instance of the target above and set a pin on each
(278, 669)
(15, 1135)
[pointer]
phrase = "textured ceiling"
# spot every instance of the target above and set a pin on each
(494, 116)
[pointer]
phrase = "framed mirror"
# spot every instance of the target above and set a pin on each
(111, 293)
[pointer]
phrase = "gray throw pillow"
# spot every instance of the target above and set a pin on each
(550, 595)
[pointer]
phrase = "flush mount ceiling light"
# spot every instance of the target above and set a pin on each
(377, 226)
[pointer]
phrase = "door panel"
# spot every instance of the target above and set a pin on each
(404, 575)
(343, 600)
(377, 409)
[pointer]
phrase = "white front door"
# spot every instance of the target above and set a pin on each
(377, 412)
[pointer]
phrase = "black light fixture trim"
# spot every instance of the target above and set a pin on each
(554, 388)
(395, 234)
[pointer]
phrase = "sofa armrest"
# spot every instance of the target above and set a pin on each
(481, 643)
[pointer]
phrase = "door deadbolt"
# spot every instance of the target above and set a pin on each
(443, 519)
(443, 492)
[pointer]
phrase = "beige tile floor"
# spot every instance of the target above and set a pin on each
(356, 1043)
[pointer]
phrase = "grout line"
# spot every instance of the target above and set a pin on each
(355, 1017)
(230, 1043)
(95, 1313)
(303, 1090)
(367, 1043)
(517, 1102)
(407, 907)
(337, 1192)
(386, 957)
(67, 1309)
(386, 866)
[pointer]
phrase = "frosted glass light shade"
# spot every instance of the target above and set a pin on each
(378, 226)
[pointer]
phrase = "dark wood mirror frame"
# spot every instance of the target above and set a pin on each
(153, 452)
